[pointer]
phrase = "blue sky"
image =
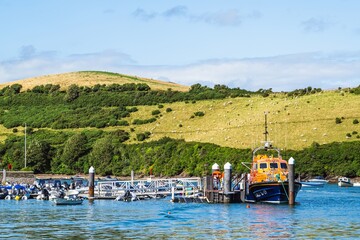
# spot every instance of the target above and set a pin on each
(251, 44)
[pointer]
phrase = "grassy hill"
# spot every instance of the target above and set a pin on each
(91, 78)
(239, 122)
(294, 122)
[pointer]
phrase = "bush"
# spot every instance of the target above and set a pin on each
(142, 136)
(123, 123)
(348, 135)
(199, 114)
(338, 120)
(145, 121)
(168, 110)
(356, 121)
(155, 112)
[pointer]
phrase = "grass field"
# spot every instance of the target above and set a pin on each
(292, 123)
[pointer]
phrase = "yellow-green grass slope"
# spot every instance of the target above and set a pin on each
(293, 123)
(91, 78)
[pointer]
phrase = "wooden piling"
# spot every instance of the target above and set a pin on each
(4, 177)
(91, 182)
(243, 187)
(227, 182)
(291, 181)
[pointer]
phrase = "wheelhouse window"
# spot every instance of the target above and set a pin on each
(283, 165)
(273, 165)
(263, 165)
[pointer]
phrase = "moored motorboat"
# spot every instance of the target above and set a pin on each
(68, 201)
(344, 182)
(71, 198)
(3, 192)
(318, 179)
(313, 184)
(269, 176)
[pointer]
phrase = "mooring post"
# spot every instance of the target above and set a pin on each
(172, 193)
(216, 181)
(243, 187)
(227, 182)
(4, 177)
(91, 182)
(215, 167)
(291, 180)
(132, 177)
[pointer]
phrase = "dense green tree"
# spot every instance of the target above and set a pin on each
(101, 155)
(72, 93)
(39, 156)
(75, 148)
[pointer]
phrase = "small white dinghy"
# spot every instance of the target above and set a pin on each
(71, 198)
(344, 182)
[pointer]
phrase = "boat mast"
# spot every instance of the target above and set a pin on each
(266, 131)
(25, 146)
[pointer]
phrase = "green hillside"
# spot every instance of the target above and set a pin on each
(70, 129)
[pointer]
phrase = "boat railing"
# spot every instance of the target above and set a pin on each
(115, 188)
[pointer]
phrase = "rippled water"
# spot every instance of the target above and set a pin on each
(329, 212)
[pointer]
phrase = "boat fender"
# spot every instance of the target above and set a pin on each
(277, 176)
(24, 198)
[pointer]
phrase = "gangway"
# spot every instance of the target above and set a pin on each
(108, 189)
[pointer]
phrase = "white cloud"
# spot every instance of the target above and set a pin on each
(32, 63)
(230, 17)
(315, 25)
(281, 73)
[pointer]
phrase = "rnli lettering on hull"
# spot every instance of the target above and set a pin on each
(260, 193)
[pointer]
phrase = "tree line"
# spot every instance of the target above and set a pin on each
(70, 153)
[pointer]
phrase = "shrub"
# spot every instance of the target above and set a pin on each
(133, 109)
(160, 106)
(123, 123)
(140, 121)
(199, 114)
(168, 110)
(155, 112)
(338, 120)
(356, 121)
(348, 135)
(142, 136)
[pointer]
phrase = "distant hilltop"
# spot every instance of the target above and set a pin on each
(91, 78)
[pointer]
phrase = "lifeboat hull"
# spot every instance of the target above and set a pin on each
(271, 192)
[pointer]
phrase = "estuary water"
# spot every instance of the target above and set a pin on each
(320, 213)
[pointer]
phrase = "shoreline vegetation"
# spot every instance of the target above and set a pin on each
(131, 126)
